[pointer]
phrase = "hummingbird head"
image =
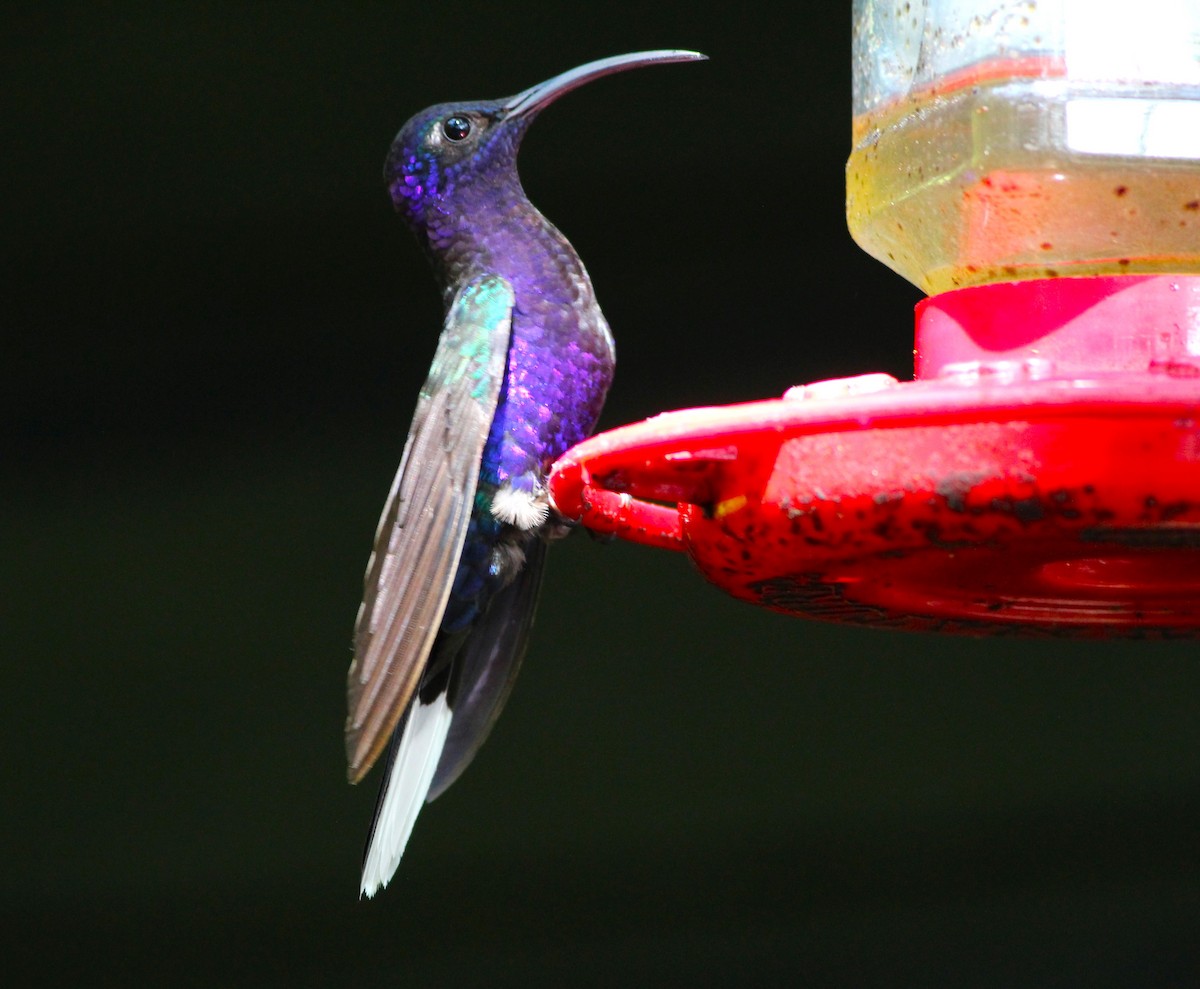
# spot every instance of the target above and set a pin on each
(455, 157)
(446, 147)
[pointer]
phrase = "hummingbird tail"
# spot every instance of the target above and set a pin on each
(487, 666)
(413, 755)
(451, 714)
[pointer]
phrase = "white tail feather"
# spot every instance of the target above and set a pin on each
(407, 786)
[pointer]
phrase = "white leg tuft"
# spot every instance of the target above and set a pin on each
(524, 509)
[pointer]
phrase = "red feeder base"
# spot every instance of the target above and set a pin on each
(1043, 486)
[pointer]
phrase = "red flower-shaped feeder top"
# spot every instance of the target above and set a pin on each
(1041, 474)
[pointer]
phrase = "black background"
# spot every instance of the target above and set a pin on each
(214, 329)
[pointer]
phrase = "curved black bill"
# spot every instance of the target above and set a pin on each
(536, 97)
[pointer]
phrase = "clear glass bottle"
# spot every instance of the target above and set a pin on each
(998, 141)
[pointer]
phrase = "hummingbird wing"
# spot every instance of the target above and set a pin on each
(486, 668)
(424, 522)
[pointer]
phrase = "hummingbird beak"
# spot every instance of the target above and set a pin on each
(536, 97)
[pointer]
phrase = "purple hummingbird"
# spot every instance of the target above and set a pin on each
(520, 375)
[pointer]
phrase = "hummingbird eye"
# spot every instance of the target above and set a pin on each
(456, 128)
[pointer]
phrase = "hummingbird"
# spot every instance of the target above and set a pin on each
(520, 375)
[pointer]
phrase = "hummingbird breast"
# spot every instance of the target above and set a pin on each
(561, 355)
(559, 368)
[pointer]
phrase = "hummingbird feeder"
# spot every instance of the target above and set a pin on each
(1035, 168)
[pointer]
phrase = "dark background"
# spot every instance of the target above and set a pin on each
(214, 329)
